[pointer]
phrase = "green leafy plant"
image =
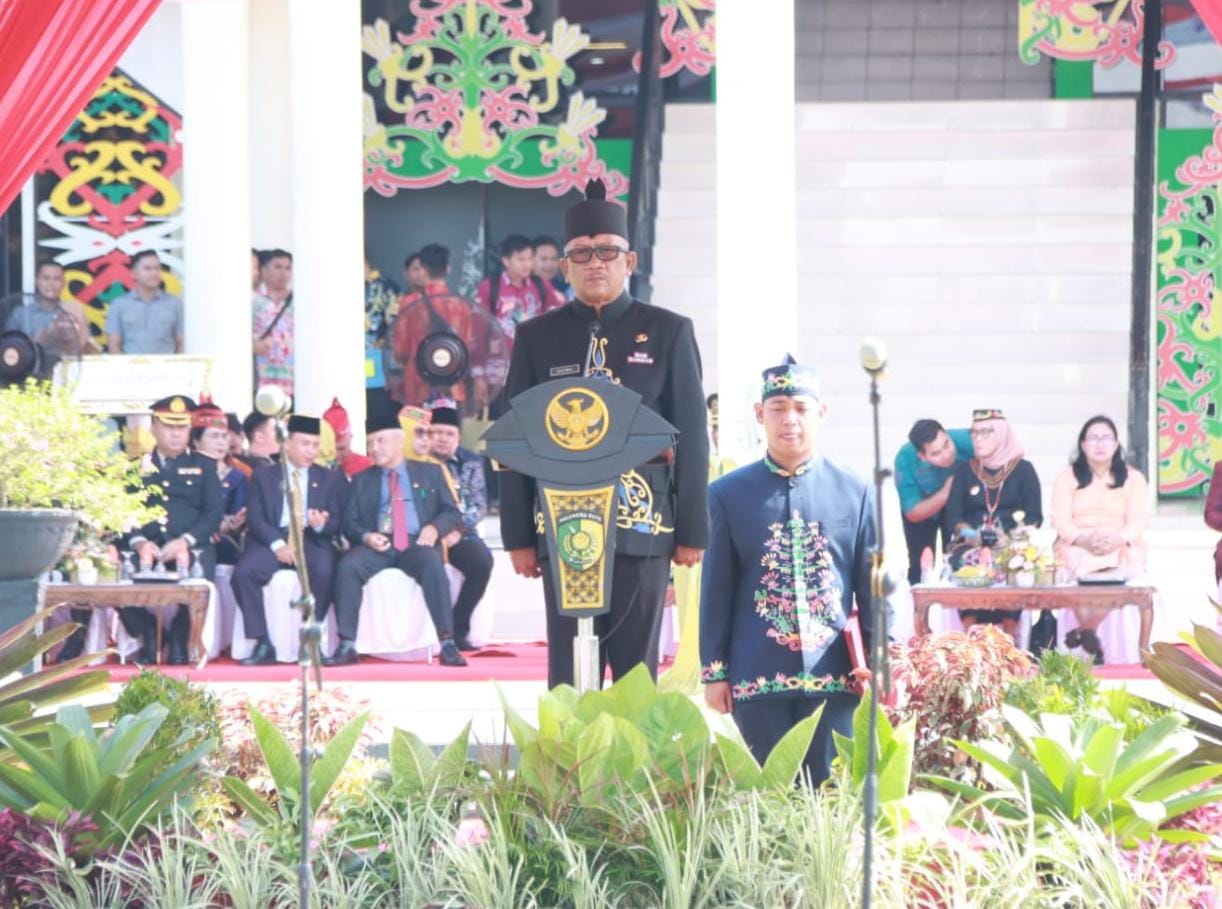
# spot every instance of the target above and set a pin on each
(894, 759)
(414, 768)
(193, 710)
(113, 778)
(1085, 768)
(54, 456)
(285, 769)
(1063, 684)
(25, 701)
(632, 739)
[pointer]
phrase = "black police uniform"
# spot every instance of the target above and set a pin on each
(662, 503)
(194, 503)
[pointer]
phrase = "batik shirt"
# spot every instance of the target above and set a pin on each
(788, 555)
(467, 469)
(276, 367)
(517, 303)
(381, 306)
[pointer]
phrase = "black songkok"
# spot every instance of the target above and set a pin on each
(596, 215)
(310, 426)
(379, 422)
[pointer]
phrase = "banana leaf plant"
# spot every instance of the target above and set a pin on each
(112, 778)
(1072, 768)
(25, 701)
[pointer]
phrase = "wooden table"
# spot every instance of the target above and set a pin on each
(115, 596)
(1093, 596)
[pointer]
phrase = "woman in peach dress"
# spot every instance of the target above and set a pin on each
(1100, 510)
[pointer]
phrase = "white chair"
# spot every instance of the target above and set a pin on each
(1118, 633)
(394, 622)
(226, 609)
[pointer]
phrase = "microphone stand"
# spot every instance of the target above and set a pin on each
(308, 656)
(880, 667)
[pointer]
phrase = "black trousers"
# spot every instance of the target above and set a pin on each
(471, 556)
(918, 536)
(628, 634)
(423, 564)
(256, 567)
(141, 623)
(764, 723)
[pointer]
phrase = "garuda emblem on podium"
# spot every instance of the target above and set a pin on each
(577, 419)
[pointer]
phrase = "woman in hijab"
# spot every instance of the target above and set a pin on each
(986, 494)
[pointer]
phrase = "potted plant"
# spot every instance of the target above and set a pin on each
(58, 467)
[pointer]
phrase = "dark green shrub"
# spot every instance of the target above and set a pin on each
(1064, 684)
(193, 711)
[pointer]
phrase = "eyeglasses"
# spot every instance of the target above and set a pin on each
(1100, 439)
(582, 254)
(981, 431)
(420, 431)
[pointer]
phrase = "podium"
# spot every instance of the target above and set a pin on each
(575, 437)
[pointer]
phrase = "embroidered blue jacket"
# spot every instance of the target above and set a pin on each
(788, 555)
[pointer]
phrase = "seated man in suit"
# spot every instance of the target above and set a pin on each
(194, 505)
(267, 550)
(396, 513)
(468, 553)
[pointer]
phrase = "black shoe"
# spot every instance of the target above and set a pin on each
(73, 647)
(465, 645)
(1090, 643)
(178, 654)
(345, 655)
(450, 655)
(264, 655)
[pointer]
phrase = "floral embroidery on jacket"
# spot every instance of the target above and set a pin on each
(799, 594)
(713, 672)
(804, 682)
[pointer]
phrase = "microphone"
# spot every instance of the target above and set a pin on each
(872, 355)
(272, 401)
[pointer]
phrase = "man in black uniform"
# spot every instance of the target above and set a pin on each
(662, 513)
(194, 505)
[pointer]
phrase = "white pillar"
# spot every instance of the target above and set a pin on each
(757, 272)
(271, 215)
(29, 249)
(328, 206)
(216, 195)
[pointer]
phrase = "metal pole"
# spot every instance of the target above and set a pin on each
(308, 655)
(586, 675)
(1143, 238)
(880, 670)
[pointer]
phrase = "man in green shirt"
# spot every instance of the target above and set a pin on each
(924, 466)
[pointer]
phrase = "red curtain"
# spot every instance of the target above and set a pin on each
(1210, 12)
(53, 56)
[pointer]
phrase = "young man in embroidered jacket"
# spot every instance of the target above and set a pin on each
(662, 514)
(789, 552)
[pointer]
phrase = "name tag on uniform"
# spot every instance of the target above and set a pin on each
(571, 370)
(190, 471)
(640, 357)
